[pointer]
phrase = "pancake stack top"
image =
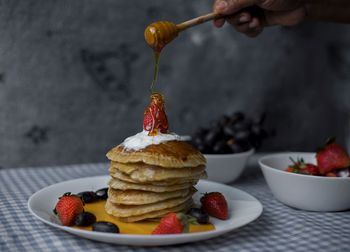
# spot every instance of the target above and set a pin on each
(158, 178)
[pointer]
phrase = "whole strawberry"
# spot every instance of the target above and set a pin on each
(332, 157)
(68, 207)
(215, 205)
(172, 223)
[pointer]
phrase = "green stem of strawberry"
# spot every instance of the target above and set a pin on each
(184, 220)
(292, 160)
(330, 140)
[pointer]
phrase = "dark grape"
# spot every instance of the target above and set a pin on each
(224, 120)
(228, 130)
(212, 136)
(231, 134)
(220, 147)
(242, 135)
(201, 132)
(240, 126)
(197, 140)
(256, 130)
(237, 116)
(202, 148)
(259, 118)
(235, 147)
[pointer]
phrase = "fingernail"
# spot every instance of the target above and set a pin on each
(243, 19)
(220, 6)
(252, 25)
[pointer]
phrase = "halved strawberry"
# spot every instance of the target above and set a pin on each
(68, 207)
(332, 157)
(300, 166)
(311, 169)
(155, 118)
(172, 223)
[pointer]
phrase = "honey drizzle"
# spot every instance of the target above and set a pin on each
(156, 70)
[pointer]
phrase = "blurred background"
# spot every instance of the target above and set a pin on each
(74, 78)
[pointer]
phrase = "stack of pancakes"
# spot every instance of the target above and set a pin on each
(153, 181)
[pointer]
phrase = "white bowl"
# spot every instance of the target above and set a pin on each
(311, 193)
(225, 168)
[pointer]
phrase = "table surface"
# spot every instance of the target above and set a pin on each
(279, 228)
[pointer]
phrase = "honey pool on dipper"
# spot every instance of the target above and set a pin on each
(157, 36)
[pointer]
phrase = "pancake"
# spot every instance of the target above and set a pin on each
(156, 215)
(119, 210)
(171, 154)
(135, 197)
(143, 172)
(122, 185)
(121, 176)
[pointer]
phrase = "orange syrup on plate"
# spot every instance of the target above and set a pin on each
(140, 228)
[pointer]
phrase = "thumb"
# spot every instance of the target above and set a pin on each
(228, 7)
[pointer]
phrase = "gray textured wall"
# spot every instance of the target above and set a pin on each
(74, 77)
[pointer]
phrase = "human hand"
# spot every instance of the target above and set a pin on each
(251, 16)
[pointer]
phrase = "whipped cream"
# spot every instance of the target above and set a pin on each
(142, 140)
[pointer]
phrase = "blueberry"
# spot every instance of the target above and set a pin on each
(85, 219)
(88, 196)
(102, 193)
(199, 214)
(105, 226)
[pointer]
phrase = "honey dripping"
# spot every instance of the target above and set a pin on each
(161, 33)
(156, 68)
(157, 36)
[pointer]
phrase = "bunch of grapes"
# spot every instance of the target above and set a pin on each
(231, 134)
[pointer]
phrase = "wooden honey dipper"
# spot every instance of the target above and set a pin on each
(159, 34)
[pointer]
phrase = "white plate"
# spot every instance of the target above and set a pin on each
(243, 207)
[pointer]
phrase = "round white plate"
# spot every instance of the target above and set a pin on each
(243, 208)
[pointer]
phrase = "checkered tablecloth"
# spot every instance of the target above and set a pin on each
(280, 228)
